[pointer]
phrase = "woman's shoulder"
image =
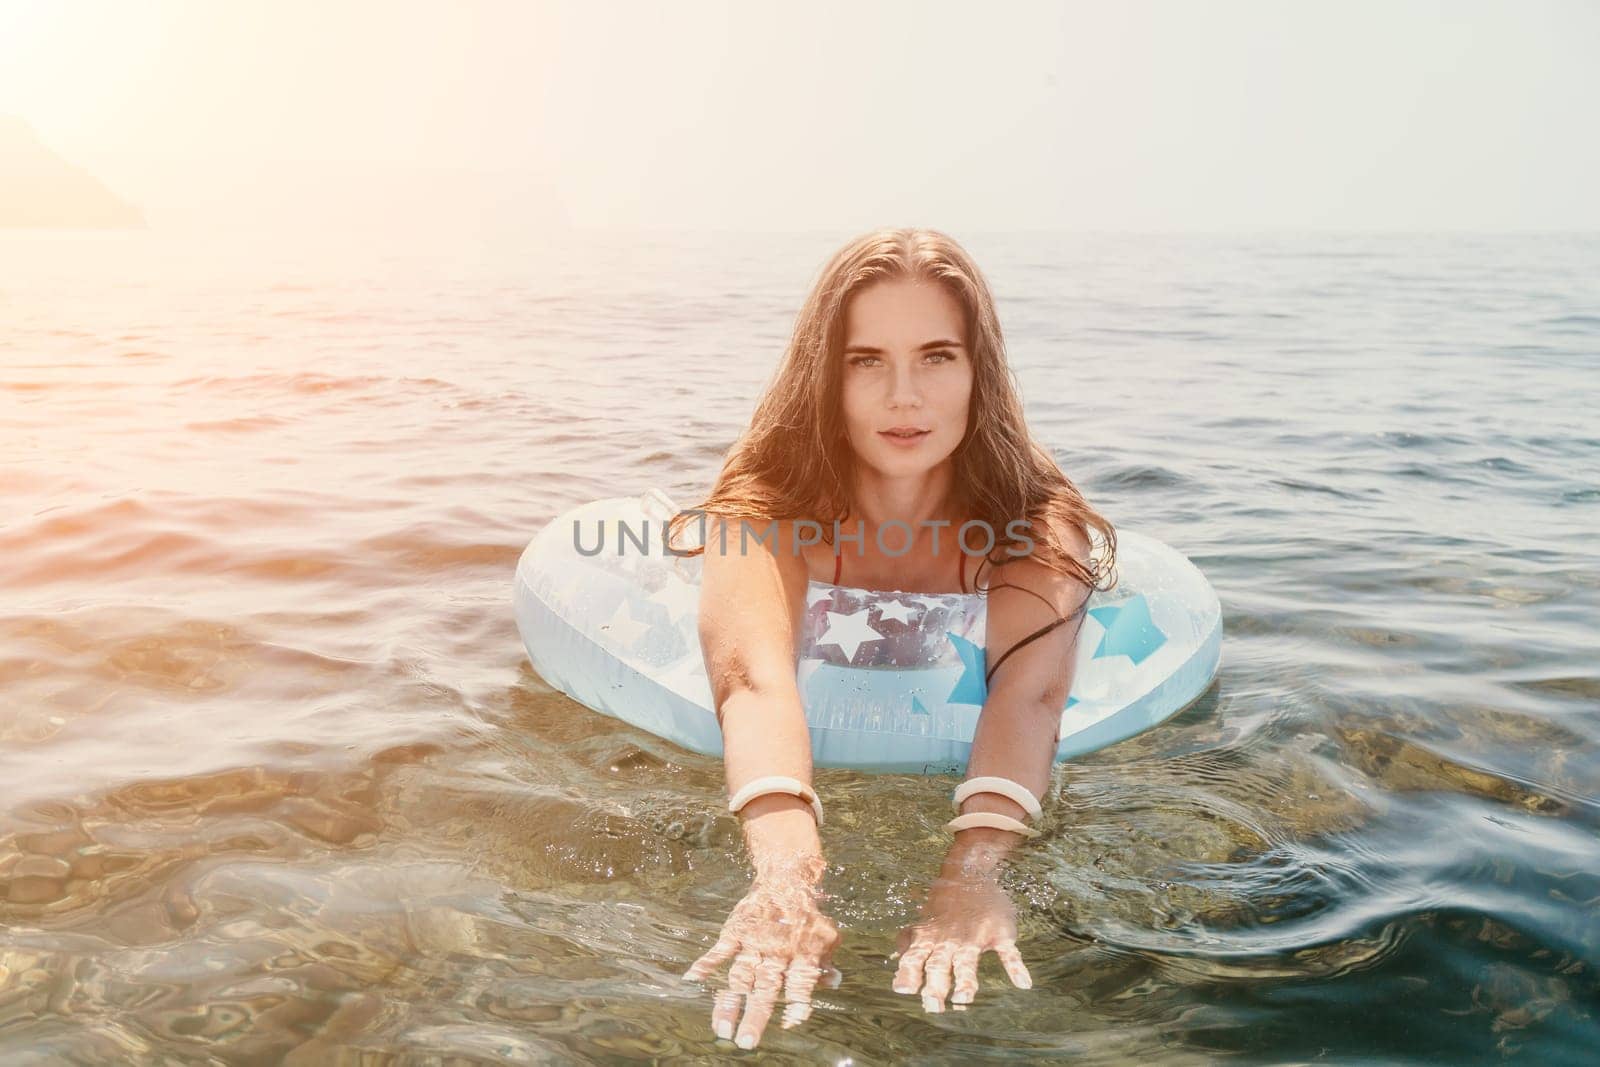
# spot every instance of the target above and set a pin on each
(786, 541)
(1072, 538)
(749, 531)
(1038, 568)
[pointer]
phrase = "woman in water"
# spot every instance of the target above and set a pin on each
(892, 420)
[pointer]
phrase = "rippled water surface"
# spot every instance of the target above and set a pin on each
(276, 783)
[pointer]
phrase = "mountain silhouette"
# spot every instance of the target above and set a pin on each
(39, 188)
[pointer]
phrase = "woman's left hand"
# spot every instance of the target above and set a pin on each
(965, 915)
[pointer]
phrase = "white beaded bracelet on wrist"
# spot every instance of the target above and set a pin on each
(776, 783)
(991, 819)
(994, 820)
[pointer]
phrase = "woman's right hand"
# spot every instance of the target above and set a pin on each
(778, 939)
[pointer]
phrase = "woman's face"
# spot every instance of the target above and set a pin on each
(906, 367)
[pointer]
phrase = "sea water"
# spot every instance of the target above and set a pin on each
(278, 779)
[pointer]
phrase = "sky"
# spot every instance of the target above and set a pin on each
(1228, 115)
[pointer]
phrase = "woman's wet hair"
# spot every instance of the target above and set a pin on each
(795, 460)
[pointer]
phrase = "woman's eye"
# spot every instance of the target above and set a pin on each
(941, 356)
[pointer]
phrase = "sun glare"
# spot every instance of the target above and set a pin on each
(64, 66)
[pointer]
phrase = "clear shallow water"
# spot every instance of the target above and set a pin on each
(279, 784)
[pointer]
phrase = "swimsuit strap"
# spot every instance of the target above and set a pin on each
(1040, 632)
(963, 556)
(838, 558)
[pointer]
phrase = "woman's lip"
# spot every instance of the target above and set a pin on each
(906, 441)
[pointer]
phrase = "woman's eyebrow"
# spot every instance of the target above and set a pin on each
(868, 350)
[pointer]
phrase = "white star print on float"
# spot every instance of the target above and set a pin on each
(818, 595)
(678, 597)
(849, 632)
(935, 601)
(894, 609)
(623, 628)
(570, 588)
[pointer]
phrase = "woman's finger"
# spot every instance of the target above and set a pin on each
(795, 1012)
(742, 974)
(725, 947)
(936, 986)
(758, 1005)
(908, 978)
(1011, 959)
(966, 973)
(725, 1005)
(800, 981)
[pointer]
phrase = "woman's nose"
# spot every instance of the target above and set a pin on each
(904, 390)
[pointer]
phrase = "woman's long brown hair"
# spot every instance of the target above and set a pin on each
(795, 460)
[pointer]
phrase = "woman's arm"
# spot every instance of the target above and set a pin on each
(751, 598)
(751, 602)
(1019, 727)
(1034, 616)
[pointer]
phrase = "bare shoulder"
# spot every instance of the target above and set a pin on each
(1064, 591)
(731, 535)
(745, 544)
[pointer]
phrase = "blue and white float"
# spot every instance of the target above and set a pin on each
(890, 681)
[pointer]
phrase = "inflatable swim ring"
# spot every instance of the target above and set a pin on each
(890, 681)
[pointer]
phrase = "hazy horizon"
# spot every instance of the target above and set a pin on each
(1141, 117)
